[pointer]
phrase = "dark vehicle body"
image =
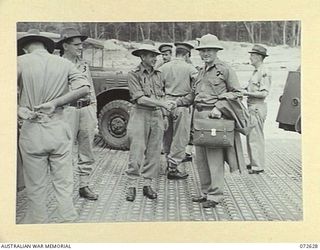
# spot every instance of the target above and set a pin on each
(289, 113)
(111, 87)
(113, 98)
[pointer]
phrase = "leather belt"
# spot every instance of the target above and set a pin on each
(80, 103)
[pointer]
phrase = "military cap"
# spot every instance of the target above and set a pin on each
(69, 33)
(165, 47)
(184, 45)
(258, 49)
(209, 41)
(34, 35)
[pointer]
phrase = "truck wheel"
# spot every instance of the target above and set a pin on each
(113, 120)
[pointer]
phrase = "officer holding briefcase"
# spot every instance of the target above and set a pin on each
(215, 140)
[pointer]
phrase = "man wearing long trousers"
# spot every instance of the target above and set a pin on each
(45, 138)
(82, 114)
(178, 76)
(215, 82)
(257, 91)
(146, 123)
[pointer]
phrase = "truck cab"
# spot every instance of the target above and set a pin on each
(111, 88)
(113, 98)
(289, 113)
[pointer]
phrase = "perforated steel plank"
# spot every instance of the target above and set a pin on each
(271, 196)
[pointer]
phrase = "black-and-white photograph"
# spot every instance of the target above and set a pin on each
(158, 121)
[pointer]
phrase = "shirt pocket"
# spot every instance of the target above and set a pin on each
(218, 80)
(146, 86)
(257, 84)
(158, 87)
(218, 84)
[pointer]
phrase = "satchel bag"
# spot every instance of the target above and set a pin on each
(213, 133)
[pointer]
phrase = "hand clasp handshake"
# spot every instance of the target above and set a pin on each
(169, 105)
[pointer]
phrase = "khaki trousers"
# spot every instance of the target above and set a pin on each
(210, 164)
(176, 138)
(46, 152)
(255, 139)
(145, 132)
(83, 122)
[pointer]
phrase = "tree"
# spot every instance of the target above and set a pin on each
(268, 32)
(272, 33)
(284, 35)
(250, 29)
(142, 33)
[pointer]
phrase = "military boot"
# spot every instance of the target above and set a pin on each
(85, 192)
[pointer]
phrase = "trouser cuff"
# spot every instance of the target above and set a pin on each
(256, 168)
(146, 181)
(132, 182)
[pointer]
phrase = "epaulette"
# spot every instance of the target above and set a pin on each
(220, 63)
(81, 60)
(136, 69)
(264, 71)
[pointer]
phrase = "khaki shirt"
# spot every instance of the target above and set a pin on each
(215, 80)
(259, 81)
(83, 67)
(144, 83)
(43, 77)
(178, 76)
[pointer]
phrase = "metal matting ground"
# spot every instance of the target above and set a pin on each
(275, 195)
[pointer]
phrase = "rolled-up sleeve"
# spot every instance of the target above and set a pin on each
(76, 79)
(193, 72)
(134, 86)
(265, 82)
(232, 81)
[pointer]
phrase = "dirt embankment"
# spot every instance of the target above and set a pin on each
(281, 60)
(118, 53)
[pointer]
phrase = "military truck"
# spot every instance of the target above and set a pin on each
(113, 99)
(111, 87)
(289, 113)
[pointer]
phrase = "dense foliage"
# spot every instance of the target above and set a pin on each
(267, 32)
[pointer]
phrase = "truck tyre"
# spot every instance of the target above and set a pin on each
(113, 120)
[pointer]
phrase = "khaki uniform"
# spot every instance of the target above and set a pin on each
(45, 142)
(83, 122)
(178, 76)
(211, 82)
(145, 127)
(259, 81)
(159, 63)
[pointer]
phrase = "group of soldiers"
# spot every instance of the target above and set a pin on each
(57, 105)
(168, 97)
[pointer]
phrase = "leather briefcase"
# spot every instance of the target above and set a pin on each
(213, 133)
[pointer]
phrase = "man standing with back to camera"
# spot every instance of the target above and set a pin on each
(45, 138)
(178, 77)
(82, 114)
